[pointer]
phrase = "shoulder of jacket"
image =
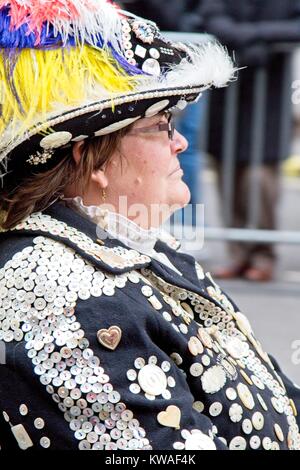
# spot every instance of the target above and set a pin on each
(116, 257)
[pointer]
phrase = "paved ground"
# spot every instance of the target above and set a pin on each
(273, 308)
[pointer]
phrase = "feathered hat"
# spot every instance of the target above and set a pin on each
(76, 69)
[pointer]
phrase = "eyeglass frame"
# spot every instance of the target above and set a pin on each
(161, 127)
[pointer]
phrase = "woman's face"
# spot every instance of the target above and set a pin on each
(146, 171)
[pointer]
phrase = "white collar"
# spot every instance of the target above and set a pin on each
(125, 230)
(117, 225)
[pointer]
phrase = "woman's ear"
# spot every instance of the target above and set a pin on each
(99, 178)
(77, 151)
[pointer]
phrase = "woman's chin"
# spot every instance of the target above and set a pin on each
(182, 194)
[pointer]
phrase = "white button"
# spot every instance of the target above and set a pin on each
(255, 442)
(245, 396)
(231, 394)
(215, 409)
(213, 379)
(267, 443)
(134, 388)
(257, 382)
(277, 405)
(258, 421)
(152, 379)
(195, 346)
(139, 362)
(247, 426)
(237, 348)
(275, 446)
(262, 402)
(278, 432)
(238, 443)
(166, 366)
(131, 374)
(39, 423)
(196, 369)
(199, 441)
(235, 413)
(23, 410)
(205, 360)
(154, 53)
(45, 442)
(147, 291)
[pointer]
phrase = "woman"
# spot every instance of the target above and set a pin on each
(113, 338)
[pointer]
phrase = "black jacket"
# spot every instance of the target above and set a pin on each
(97, 341)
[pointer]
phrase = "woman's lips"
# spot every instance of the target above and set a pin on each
(178, 169)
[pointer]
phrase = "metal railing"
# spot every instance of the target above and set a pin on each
(229, 134)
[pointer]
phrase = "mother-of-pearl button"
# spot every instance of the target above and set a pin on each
(196, 369)
(266, 443)
(195, 346)
(213, 379)
(247, 426)
(116, 126)
(23, 410)
(199, 441)
(198, 406)
(215, 409)
(205, 338)
(278, 432)
(262, 402)
(277, 405)
(243, 323)
(245, 396)
(156, 108)
(55, 140)
(258, 421)
(152, 379)
(238, 443)
(255, 442)
(237, 348)
(231, 394)
(257, 382)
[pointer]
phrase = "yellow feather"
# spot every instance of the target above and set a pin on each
(46, 80)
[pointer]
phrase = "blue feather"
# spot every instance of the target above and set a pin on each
(22, 38)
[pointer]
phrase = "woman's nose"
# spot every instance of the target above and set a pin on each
(179, 143)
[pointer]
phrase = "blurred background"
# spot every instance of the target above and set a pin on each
(243, 161)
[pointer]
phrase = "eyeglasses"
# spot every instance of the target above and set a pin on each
(162, 127)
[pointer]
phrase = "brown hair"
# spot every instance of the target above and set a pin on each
(37, 192)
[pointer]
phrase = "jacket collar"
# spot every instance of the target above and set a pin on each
(108, 254)
(67, 226)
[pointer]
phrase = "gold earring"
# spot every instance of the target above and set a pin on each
(103, 195)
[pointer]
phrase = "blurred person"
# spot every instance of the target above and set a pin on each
(168, 19)
(250, 28)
